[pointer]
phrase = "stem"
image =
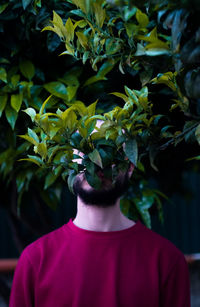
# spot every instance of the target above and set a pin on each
(164, 146)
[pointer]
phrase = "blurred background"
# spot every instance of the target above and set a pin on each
(146, 42)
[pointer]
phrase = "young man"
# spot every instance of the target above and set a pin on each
(101, 259)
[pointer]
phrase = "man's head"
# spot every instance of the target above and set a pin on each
(108, 195)
(109, 192)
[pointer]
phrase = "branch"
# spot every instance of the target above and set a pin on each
(164, 146)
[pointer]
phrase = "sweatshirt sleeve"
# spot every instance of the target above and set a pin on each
(176, 287)
(22, 291)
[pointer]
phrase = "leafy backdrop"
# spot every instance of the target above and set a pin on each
(63, 65)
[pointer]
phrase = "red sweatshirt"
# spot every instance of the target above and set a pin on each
(74, 267)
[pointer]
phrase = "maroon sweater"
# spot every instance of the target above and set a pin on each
(74, 267)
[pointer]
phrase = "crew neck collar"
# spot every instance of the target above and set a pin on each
(103, 234)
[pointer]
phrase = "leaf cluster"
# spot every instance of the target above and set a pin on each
(138, 58)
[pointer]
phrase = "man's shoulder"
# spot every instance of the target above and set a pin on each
(155, 242)
(45, 243)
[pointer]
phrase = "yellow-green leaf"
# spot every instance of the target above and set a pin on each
(82, 39)
(33, 135)
(41, 149)
(3, 101)
(27, 69)
(3, 7)
(69, 30)
(91, 108)
(29, 139)
(31, 112)
(142, 19)
(57, 19)
(44, 104)
(120, 95)
(100, 14)
(30, 160)
(11, 116)
(16, 101)
(95, 158)
(53, 29)
(80, 23)
(81, 4)
(3, 74)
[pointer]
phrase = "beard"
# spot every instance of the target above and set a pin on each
(102, 198)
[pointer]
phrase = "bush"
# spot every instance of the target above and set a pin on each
(134, 67)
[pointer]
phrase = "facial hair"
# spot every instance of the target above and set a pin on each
(102, 198)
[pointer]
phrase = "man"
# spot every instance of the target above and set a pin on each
(101, 259)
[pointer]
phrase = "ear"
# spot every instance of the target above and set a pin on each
(130, 170)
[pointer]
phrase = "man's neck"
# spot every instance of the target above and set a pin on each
(101, 219)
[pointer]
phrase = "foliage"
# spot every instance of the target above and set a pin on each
(151, 104)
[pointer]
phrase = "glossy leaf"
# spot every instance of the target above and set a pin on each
(58, 89)
(11, 116)
(3, 74)
(16, 101)
(27, 69)
(131, 151)
(3, 101)
(26, 3)
(142, 19)
(96, 158)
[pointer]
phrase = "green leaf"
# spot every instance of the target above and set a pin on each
(69, 119)
(94, 79)
(57, 19)
(41, 149)
(3, 101)
(25, 3)
(141, 207)
(44, 105)
(120, 95)
(33, 135)
(154, 51)
(142, 19)
(11, 116)
(93, 180)
(78, 13)
(69, 30)
(49, 180)
(16, 101)
(58, 89)
(27, 69)
(70, 180)
(100, 14)
(3, 74)
(90, 167)
(86, 55)
(3, 7)
(167, 78)
(30, 160)
(96, 158)
(33, 159)
(92, 108)
(131, 29)
(105, 68)
(15, 80)
(112, 46)
(131, 151)
(82, 39)
(31, 112)
(29, 139)
(131, 94)
(80, 23)
(193, 158)
(129, 12)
